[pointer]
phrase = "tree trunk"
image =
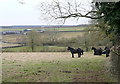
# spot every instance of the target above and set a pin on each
(32, 45)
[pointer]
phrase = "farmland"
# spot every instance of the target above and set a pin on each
(60, 33)
(74, 28)
(15, 39)
(54, 67)
(56, 37)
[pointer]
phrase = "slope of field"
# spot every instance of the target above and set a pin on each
(54, 67)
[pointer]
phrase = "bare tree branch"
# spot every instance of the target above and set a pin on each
(21, 1)
(81, 15)
(61, 11)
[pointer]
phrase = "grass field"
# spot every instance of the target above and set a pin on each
(11, 29)
(36, 49)
(65, 29)
(54, 67)
(12, 38)
(8, 45)
(46, 29)
(70, 34)
(16, 37)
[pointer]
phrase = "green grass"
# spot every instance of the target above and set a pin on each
(74, 70)
(11, 29)
(65, 29)
(46, 29)
(36, 49)
(50, 49)
(18, 49)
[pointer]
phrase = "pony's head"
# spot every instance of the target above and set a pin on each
(106, 48)
(68, 48)
(93, 48)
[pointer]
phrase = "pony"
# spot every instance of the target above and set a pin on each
(97, 51)
(107, 51)
(74, 51)
(80, 50)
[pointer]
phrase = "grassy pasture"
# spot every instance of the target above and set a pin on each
(54, 67)
(37, 49)
(8, 45)
(46, 29)
(12, 38)
(11, 29)
(65, 29)
(16, 37)
(70, 34)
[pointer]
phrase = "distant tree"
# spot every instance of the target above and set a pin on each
(33, 39)
(52, 36)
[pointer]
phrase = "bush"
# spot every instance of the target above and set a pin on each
(114, 66)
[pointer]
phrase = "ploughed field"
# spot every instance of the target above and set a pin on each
(54, 67)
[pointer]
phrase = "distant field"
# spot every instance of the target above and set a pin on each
(17, 37)
(8, 44)
(70, 34)
(47, 29)
(54, 67)
(65, 29)
(10, 29)
(36, 49)
(12, 38)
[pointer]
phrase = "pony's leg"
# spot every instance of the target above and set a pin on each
(79, 55)
(72, 55)
(82, 53)
(107, 55)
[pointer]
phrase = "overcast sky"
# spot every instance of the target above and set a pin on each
(14, 13)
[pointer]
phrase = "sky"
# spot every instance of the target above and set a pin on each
(14, 13)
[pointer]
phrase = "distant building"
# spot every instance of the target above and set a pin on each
(11, 32)
(40, 31)
(27, 30)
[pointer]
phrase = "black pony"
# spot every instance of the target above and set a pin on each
(97, 51)
(74, 51)
(107, 51)
(80, 50)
